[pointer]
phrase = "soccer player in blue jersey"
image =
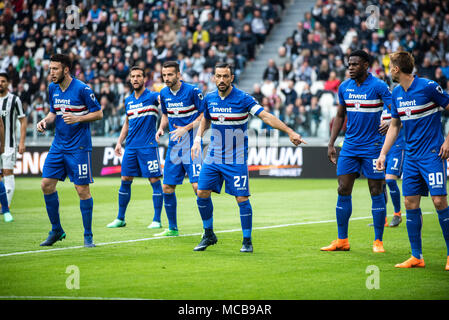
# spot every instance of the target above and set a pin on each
(361, 99)
(141, 158)
(417, 104)
(393, 171)
(228, 110)
(181, 105)
(72, 107)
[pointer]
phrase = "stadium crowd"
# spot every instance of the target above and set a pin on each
(106, 38)
(301, 83)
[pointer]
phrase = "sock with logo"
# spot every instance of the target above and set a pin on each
(395, 194)
(379, 212)
(157, 200)
(414, 225)
(206, 209)
(343, 211)
(443, 217)
(170, 205)
(124, 195)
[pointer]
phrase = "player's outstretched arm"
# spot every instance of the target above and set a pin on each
(274, 122)
(42, 125)
(196, 147)
(392, 134)
(121, 138)
(339, 120)
(162, 126)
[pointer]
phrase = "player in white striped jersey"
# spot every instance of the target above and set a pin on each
(11, 109)
(4, 94)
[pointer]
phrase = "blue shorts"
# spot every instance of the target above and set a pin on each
(394, 162)
(424, 175)
(178, 163)
(235, 177)
(78, 166)
(367, 166)
(141, 163)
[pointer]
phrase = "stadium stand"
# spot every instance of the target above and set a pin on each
(105, 38)
(312, 58)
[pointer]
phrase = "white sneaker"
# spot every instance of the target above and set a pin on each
(8, 217)
(155, 225)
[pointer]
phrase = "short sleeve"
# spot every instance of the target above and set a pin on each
(206, 109)
(252, 105)
(89, 99)
(50, 98)
(198, 99)
(384, 93)
(19, 108)
(394, 107)
(437, 94)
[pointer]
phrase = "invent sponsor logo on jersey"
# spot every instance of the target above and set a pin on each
(139, 110)
(178, 110)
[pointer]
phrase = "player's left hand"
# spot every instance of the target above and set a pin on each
(21, 148)
(383, 127)
(178, 133)
(444, 150)
(69, 118)
(296, 139)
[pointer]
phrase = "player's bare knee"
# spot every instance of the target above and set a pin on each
(241, 199)
(125, 178)
(344, 190)
(167, 188)
(204, 193)
(411, 203)
(83, 191)
(47, 186)
(440, 202)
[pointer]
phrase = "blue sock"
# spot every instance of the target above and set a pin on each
(86, 207)
(170, 209)
(157, 200)
(206, 209)
(3, 198)
(414, 225)
(52, 206)
(443, 217)
(395, 194)
(246, 218)
(379, 212)
(124, 195)
(344, 211)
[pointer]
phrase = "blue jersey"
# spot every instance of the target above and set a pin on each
(142, 115)
(400, 142)
(364, 105)
(181, 107)
(419, 109)
(229, 118)
(80, 100)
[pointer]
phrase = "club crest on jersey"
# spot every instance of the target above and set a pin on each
(408, 112)
(176, 111)
(357, 105)
(221, 118)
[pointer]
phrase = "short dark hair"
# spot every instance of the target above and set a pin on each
(137, 68)
(404, 60)
(4, 75)
(171, 64)
(64, 59)
(224, 65)
(362, 54)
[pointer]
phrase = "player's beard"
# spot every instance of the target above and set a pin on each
(138, 88)
(226, 87)
(60, 79)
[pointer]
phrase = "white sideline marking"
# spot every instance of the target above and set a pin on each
(67, 298)
(182, 235)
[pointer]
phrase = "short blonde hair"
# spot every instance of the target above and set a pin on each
(404, 60)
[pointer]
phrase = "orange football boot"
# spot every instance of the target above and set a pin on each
(337, 245)
(386, 222)
(378, 246)
(447, 264)
(412, 263)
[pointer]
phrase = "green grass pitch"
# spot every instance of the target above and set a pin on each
(292, 219)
